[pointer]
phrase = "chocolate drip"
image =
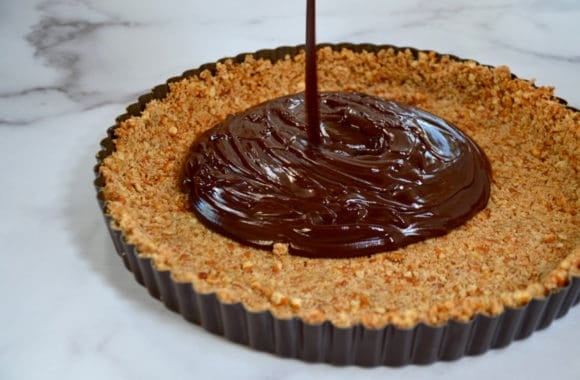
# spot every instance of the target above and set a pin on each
(383, 176)
(311, 93)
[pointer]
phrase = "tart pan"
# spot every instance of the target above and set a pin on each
(357, 345)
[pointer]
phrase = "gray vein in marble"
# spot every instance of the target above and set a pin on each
(104, 340)
(89, 5)
(24, 122)
(540, 25)
(80, 349)
(53, 39)
(16, 123)
(452, 10)
(537, 54)
(445, 13)
(28, 91)
(428, 18)
(51, 33)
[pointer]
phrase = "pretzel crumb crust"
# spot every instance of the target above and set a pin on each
(524, 245)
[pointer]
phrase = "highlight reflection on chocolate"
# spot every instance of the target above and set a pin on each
(384, 175)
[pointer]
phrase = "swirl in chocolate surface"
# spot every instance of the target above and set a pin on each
(384, 175)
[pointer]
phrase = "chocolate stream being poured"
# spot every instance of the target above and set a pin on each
(383, 176)
(311, 76)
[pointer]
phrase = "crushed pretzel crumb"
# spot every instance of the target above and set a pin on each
(280, 249)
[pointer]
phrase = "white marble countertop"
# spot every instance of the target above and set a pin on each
(69, 309)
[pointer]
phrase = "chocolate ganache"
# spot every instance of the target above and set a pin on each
(384, 175)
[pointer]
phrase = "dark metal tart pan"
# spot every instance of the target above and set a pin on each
(357, 345)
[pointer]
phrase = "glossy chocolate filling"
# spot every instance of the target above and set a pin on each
(384, 175)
